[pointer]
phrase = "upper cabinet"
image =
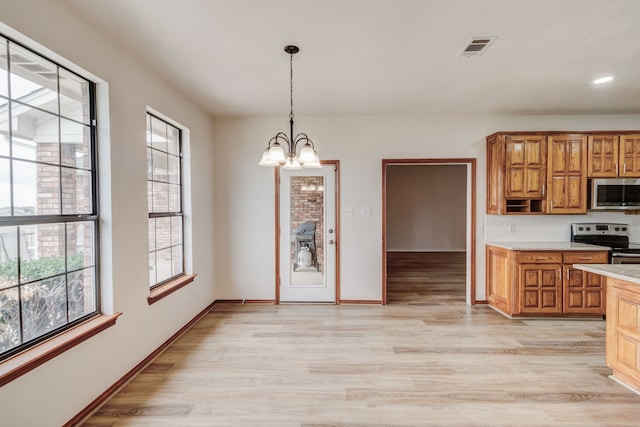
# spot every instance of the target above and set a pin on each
(549, 172)
(567, 178)
(611, 156)
(516, 173)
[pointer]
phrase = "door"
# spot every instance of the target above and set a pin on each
(308, 235)
(567, 165)
(525, 163)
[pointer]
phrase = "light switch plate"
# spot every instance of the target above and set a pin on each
(365, 211)
(347, 211)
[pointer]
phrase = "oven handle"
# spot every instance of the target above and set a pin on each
(624, 255)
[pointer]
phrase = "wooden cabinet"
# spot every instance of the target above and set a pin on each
(548, 172)
(539, 285)
(583, 292)
(544, 283)
(567, 178)
(623, 331)
(611, 156)
(499, 280)
(516, 173)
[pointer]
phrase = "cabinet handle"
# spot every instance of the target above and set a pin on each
(551, 203)
(616, 169)
(586, 258)
(543, 189)
(624, 168)
(567, 275)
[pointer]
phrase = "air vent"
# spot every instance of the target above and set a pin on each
(475, 46)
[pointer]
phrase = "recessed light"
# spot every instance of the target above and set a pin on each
(602, 80)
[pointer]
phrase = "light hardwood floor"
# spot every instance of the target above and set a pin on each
(425, 359)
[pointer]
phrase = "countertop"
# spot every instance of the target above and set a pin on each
(627, 272)
(548, 246)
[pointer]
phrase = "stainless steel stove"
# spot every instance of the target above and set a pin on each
(613, 235)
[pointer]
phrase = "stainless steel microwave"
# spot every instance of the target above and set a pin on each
(615, 193)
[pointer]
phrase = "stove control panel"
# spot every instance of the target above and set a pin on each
(594, 228)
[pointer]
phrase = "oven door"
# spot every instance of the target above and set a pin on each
(625, 258)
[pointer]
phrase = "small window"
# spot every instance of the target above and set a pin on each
(48, 193)
(164, 192)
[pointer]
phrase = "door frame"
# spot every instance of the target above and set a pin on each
(471, 219)
(336, 164)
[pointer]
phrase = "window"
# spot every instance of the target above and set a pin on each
(48, 193)
(164, 191)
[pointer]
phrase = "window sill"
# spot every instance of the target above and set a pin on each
(21, 363)
(170, 287)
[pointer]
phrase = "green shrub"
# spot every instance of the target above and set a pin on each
(41, 267)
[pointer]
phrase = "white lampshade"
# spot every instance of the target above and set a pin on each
(292, 164)
(276, 154)
(265, 159)
(307, 154)
(315, 163)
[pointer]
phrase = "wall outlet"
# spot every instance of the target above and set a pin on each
(365, 211)
(512, 228)
(347, 211)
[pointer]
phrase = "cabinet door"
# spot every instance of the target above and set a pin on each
(499, 279)
(525, 165)
(567, 164)
(540, 288)
(495, 176)
(630, 156)
(602, 156)
(584, 293)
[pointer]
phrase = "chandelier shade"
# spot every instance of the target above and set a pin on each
(275, 154)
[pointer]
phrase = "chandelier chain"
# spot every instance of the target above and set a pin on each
(291, 85)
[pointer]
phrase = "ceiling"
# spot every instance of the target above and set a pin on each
(386, 57)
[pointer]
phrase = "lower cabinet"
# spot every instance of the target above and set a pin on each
(544, 283)
(623, 331)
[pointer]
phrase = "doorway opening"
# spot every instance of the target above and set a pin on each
(428, 230)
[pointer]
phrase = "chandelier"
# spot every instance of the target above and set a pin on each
(275, 154)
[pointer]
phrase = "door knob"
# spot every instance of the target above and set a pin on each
(331, 242)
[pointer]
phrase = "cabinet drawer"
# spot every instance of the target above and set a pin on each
(540, 257)
(588, 257)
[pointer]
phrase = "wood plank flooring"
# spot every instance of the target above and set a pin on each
(425, 359)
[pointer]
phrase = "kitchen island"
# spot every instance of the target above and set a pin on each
(623, 320)
(537, 279)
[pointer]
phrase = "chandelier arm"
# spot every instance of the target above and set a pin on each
(302, 137)
(280, 136)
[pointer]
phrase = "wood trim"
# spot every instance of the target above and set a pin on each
(277, 228)
(385, 163)
(246, 301)
(336, 163)
(361, 301)
(102, 399)
(170, 287)
(20, 364)
(472, 247)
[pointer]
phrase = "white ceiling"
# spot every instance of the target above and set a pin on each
(396, 57)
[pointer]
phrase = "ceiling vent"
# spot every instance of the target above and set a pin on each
(475, 46)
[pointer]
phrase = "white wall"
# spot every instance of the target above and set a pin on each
(245, 218)
(53, 393)
(426, 207)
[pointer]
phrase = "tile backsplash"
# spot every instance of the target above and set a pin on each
(552, 228)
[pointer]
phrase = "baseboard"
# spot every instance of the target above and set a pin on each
(245, 301)
(107, 394)
(425, 251)
(359, 301)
